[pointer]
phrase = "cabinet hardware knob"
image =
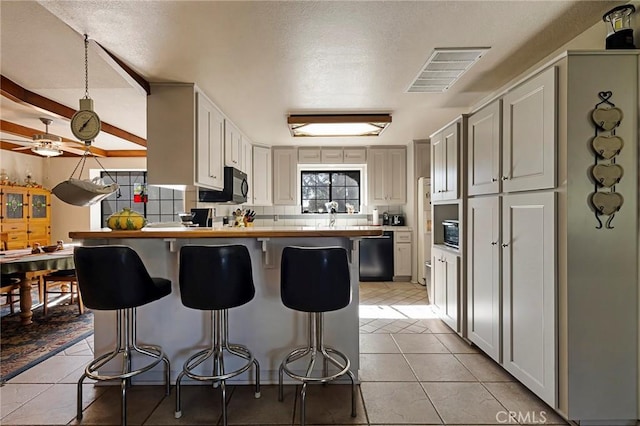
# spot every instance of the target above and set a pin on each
(505, 177)
(494, 180)
(493, 243)
(505, 245)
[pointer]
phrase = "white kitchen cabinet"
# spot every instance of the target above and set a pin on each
(483, 150)
(387, 171)
(262, 175)
(331, 155)
(529, 291)
(529, 134)
(445, 147)
(284, 175)
(484, 275)
(309, 156)
(317, 155)
(187, 131)
(355, 155)
(446, 286)
(402, 254)
(232, 145)
(247, 165)
(209, 168)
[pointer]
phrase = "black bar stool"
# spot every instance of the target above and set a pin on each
(114, 278)
(315, 280)
(216, 278)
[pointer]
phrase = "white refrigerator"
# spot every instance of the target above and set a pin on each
(424, 232)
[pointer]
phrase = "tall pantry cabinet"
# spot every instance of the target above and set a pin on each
(448, 203)
(551, 294)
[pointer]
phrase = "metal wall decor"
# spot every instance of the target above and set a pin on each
(605, 172)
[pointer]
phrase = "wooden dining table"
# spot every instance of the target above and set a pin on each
(26, 266)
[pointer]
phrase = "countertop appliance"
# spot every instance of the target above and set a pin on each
(397, 220)
(376, 258)
(235, 189)
(451, 234)
(385, 219)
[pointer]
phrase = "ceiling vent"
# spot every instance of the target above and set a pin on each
(443, 68)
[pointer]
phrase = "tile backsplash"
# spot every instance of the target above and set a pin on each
(291, 215)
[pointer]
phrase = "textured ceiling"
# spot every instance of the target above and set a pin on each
(259, 61)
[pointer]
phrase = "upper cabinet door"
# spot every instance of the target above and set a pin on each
(232, 145)
(529, 134)
(309, 156)
(397, 176)
(332, 155)
(387, 176)
(452, 145)
(445, 163)
(261, 176)
(355, 155)
(209, 145)
(284, 175)
(483, 145)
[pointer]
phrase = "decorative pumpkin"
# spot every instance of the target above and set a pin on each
(126, 219)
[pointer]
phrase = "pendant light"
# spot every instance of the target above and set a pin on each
(85, 125)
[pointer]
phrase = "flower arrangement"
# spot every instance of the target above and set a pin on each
(332, 206)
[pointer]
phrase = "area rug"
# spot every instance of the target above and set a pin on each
(22, 347)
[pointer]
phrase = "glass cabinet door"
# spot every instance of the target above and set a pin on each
(38, 206)
(13, 207)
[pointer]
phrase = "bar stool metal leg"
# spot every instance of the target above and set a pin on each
(219, 343)
(316, 347)
(126, 335)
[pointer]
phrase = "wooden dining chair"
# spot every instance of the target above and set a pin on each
(60, 278)
(8, 283)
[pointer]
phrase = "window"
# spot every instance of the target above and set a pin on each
(155, 203)
(321, 186)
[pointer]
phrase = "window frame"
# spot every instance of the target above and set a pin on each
(309, 167)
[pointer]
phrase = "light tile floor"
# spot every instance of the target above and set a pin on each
(413, 369)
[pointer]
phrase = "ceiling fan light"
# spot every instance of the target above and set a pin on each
(47, 138)
(47, 151)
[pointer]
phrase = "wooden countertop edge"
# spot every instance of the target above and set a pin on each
(227, 233)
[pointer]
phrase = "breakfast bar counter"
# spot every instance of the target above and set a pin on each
(265, 325)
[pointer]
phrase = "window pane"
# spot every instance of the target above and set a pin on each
(322, 193)
(337, 179)
(309, 179)
(323, 179)
(338, 192)
(352, 178)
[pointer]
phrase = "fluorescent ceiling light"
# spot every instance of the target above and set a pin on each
(443, 68)
(338, 125)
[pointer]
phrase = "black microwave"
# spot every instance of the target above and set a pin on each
(235, 189)
(451, 230)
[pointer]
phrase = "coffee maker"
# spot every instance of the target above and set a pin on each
(386, 220)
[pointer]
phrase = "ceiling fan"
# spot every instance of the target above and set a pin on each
(47, 144)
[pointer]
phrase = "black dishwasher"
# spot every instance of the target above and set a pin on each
(376, 258)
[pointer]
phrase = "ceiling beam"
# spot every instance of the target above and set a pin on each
(28, 132)
(134, 79)
(19, 94)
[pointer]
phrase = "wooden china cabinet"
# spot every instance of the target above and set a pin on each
(25, 215)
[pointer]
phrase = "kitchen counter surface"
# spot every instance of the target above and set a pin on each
(250, 232)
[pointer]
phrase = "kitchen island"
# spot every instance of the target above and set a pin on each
(268, 328)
